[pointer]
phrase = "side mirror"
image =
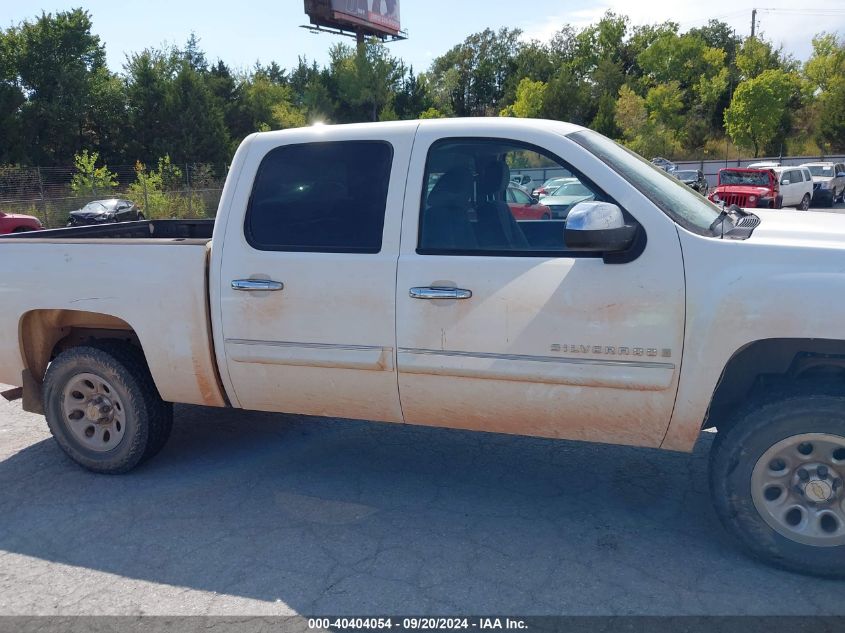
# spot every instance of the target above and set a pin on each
(598, 226)
(784, 181)
(534, 200)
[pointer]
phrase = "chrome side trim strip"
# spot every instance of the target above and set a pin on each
(550, 370)
(246, 341)
(329, 355)
(541, 359)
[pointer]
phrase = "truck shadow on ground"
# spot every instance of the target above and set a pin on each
(344, 517)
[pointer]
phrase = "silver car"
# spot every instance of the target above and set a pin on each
(567, 196)
(828, 182)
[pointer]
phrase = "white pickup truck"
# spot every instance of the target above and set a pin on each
(376, 272)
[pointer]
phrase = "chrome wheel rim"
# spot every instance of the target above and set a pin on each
(797, 487)
(93, 412)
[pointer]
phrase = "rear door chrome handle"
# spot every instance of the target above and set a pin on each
(257, 284)
(429, 292)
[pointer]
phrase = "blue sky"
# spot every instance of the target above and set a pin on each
(242, 32)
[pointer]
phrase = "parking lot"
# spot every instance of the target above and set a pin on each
(251, 513)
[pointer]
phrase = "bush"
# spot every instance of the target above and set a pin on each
(89, 178)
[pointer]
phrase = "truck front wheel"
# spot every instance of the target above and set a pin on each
(776, 477)
(103, 408)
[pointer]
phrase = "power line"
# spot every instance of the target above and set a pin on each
(828, 12)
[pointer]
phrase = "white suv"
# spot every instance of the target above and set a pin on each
(796, 186)
(828, 181)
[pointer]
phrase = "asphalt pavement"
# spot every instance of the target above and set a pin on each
(259, 514)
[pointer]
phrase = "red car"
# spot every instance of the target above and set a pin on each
(748, 188)
(524, 207)
(18, 223)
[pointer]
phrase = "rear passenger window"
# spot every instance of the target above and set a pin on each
(321, 197)
(470, 206)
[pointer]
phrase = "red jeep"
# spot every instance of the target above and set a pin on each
(747, 188)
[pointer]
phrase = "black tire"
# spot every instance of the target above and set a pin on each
(805, 203)
(148, 419)
(732, 460)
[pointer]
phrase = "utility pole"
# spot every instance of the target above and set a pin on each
(753, 21)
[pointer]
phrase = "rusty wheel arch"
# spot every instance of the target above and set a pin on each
(44, 333)
(779, 364)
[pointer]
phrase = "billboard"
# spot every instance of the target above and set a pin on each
(369, 16)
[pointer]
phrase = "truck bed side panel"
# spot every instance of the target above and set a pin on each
(159, 289)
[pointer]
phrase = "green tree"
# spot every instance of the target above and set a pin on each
(366, 80)
(11, 100)
(57, 58)
(758, 108)
(194, 124)
(267, 105)
(568, 98)
(827, 62)
(605, 120)
(665, 105)
(413, 97)
(831, 130)
(529, 100)
(432, 113)
(756, 56)
(643, 133)
(148, 76)
(107, 116)
(471, 78)
(90, 179)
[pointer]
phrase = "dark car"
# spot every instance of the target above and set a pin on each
(664, 163)
(693, 178)
(99, 211)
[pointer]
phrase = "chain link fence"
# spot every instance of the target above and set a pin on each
(189, 190)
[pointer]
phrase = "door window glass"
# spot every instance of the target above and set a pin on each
(471, 209)
(323, 197)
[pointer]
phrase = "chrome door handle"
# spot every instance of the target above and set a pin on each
(429, 292)
(257, 284)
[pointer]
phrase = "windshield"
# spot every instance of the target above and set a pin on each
(821, 170)
(688, 208)
(747, 178)
(94, 206)
(686, 175)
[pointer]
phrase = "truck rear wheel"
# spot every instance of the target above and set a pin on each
(103, 408)
(776, 477)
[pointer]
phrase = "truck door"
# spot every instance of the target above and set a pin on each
(308, 271)
(501, 328)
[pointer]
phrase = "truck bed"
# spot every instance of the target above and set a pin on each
(179, 231)
(151, 275)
